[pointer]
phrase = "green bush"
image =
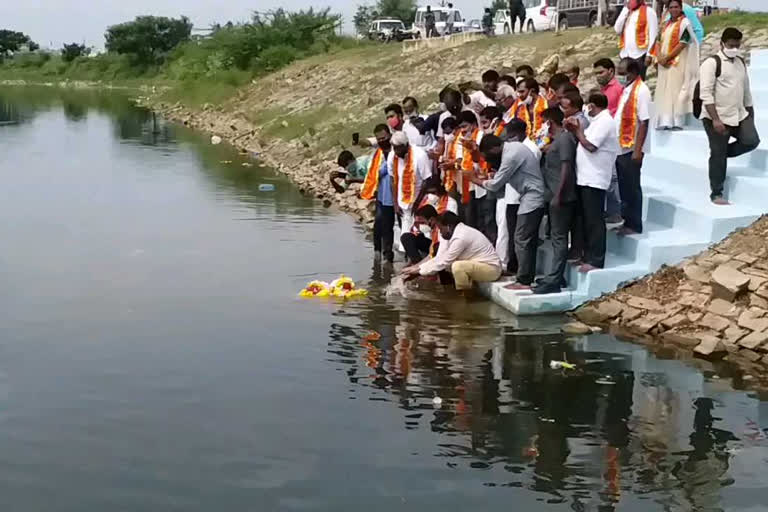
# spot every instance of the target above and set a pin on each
(275, 57)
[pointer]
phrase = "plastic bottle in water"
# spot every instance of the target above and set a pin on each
(266, 187)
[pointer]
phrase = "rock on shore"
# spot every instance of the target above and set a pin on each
(714, 304)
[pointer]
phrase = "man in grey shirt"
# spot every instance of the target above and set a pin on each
(559, 169)
(517, 166)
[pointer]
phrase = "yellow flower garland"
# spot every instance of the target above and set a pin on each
(343, 288)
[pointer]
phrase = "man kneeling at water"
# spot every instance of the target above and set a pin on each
(464, 251)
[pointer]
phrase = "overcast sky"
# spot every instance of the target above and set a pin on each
(53, 22)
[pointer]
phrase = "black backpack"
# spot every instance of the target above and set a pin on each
(698, 104)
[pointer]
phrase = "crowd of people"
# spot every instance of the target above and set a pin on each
(470, 185)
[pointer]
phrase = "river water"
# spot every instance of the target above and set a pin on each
(154, 355)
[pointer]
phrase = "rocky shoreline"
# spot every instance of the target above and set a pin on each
(713, 306)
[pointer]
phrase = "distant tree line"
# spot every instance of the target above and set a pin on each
(155, 44)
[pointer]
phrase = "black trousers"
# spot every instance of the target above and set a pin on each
(643, 67)
(416, 246)
(517, 11)
(526, 244)
(383, 230)
(589, 228)
(511, 215)
(480, 214)
(630, 191)
(720, 150)
(560, 221)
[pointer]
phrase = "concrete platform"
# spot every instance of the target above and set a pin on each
(680, 221)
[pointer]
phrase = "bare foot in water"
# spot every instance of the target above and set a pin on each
(720, 201)
(586, 267)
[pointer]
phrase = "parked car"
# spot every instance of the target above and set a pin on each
(583, 13)
(442, 15)
(474, 26)
(539, 15)
(389, 30)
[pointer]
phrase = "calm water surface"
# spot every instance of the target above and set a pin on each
(154, 355)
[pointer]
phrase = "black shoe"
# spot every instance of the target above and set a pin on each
(546, 289)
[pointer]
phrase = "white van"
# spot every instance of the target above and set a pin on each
(442, 17)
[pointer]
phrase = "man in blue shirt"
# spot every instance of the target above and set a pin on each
(692, 15)
(384, 221)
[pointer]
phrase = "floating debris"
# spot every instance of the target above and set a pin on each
(215, 140)
(225, 161)
(247, 164)
(437, 401)
(266, 187)
(372, 336)
(561, 365)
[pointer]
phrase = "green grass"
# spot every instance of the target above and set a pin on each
(739, 19)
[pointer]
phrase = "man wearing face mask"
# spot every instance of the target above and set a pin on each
(423, 241)
(505, 98)
(378, 185)
(638, 28)
(559, 169)
(518, 167)
(409, 167)
(728, 111)
(605, 74)
(595, 162)
(529, 106)
(632, 119)
(415, 125)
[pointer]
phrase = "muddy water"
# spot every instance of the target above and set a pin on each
(154, 356)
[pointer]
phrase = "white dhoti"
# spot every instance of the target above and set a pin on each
(406, 221)
(502, 237)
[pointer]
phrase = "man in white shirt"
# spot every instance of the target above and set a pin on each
(638, 28)
(632, 119)
(410, 167)
(728, 110)
(595, 160)
(414, 125)
(465, 252)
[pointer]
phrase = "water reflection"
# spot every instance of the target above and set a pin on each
(168, 320)
(621, 429)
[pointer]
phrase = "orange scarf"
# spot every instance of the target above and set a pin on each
(499, 128)
(442, 204)
(449, 180)
(642, 32)
(467, 165)
(521, 112)
(371, 183)
(628, 127)
(674, 39)
(409, 177)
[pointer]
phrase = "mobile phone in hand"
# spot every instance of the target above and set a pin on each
(355, 139)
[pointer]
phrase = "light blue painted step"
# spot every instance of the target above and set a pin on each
(683, 203)
(679, 218)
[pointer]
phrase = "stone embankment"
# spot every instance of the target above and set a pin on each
(714, 305)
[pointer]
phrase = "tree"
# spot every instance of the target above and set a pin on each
(72, 51)
(148, 39)
(499, 5)
(11, 41)
(364, 15)
(404, 10)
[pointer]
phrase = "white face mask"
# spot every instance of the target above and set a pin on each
(443, 107)
(528, 100)
(425, 230)
(732, 53)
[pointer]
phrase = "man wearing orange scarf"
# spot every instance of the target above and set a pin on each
(632, 119)
(638, 28)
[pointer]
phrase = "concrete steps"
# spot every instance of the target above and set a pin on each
(679, 218)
